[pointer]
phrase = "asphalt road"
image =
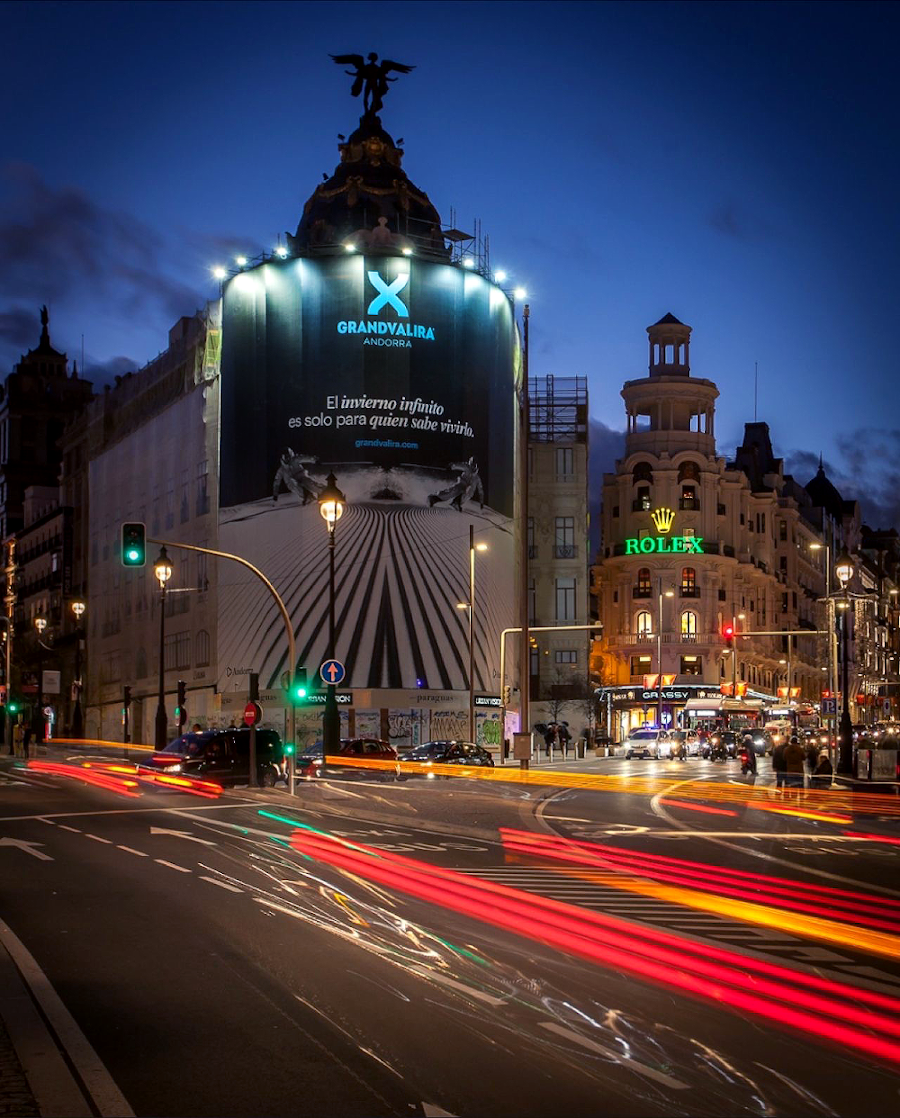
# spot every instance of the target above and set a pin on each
(234, 956)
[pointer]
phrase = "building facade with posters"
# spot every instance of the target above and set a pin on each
(692, 544)
(375, 346)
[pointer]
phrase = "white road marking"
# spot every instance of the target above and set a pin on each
(444, 980)
(171, 865)
(97, 838)
(128, 850)
(108, 1099)
(27, 848)
(50, 821)
(610, 1053)
(222, 884)
(181, 834)
(74, 830)
(124, 811)
(432, 1111)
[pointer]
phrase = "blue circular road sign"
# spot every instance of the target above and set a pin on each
(332, 671)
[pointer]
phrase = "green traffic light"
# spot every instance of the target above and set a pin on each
(288, 748)
(13, 708)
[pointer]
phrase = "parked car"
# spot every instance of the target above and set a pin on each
(311, 761)
(641, 743)
(222, 756)
(685, 742)
(450, 753)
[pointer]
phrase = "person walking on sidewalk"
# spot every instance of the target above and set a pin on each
(778, 765)
(794, 758)
(824, 771)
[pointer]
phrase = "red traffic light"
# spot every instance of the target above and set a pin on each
(728, 632)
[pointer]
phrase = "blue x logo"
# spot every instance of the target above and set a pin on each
(388, 294)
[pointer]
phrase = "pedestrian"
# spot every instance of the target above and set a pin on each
(26, 740)
(196, 728)
(17, 739)
(824, 771)
(778, 765)
(748, 756)
(564, 737)
(794, 757)
(812, 755)
(550, 738)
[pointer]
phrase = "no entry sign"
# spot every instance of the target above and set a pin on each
(252, 714)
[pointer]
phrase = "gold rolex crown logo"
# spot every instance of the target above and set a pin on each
(663, 519)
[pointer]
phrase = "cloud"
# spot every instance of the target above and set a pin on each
(605, 446)
(18, 326)
(865, 467)
(58, 245)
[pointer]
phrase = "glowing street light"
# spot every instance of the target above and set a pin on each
(219, 272)
(520, 293)
(281, 251)
(162, 568)
(241, 261)
(500, 276)
(331, 506)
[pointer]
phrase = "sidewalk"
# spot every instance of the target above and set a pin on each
(15, 1094)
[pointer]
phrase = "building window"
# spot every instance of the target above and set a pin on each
(641, 503)
(202, 488)
(565, 463)
(178, 652)
(170, 504)
(689, 582)
(644, 624)
(566, 656)
(565, 537)
(532, 610)
(140, 664)
(642, 471)
(692, 665)
(615, 511)
(688, 497)
(202, 569)
(689, 625)
(532, 550)
(185, 509)
(534, 662)
(688, 471)
(201, 648)
(642, 588)
(640, 665)
(782, 563)
(782, 530)
(565, 599)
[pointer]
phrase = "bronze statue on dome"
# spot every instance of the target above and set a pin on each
(370, 77)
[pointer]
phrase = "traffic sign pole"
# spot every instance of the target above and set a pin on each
(254, 696)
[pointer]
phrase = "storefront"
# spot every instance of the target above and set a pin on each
(628, 708)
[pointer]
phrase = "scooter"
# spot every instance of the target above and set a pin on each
(748, 762)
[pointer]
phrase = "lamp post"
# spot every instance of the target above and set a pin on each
(40, 623)
(78, 608)
(470, 606)
(659, 682)
(843, 569)
(829, 611)
(162, 568)
(331, 506)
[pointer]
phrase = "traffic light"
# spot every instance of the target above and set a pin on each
(126, 698)
(134, 545)
(728, 634)
(13, 707)
(301, 688)
(288, 748)
(181, 709)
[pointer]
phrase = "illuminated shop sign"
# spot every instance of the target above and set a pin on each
(690, 545)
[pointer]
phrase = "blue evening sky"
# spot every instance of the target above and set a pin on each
(735, 164)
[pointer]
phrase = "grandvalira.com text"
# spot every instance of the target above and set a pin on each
(386, 443)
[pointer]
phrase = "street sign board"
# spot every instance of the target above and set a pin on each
(332, 671)
(829, 706)
(51, 683)
(252, 714)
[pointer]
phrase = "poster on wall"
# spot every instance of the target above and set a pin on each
(397, 376)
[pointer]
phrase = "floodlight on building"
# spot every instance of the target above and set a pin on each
(520, 293)
(406, 251)
(481, 547)
(350, 248)
(241, 261)
(468, 262)
(219, 272)
(499, 277)
(281, 251)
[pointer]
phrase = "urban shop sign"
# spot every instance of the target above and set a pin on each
(688, 545)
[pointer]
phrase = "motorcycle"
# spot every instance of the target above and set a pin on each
(748, 762)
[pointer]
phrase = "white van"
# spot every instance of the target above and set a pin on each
(779, 729)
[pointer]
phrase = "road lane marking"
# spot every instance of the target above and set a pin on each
(171, 865)
(610, 1053)
(50, 821)
(125, 811)
(181, 834)
(128, 850)
(27, 848)
(461, 987)
(74, 830)
(107, 1098)
(97, 838)
(221, 884)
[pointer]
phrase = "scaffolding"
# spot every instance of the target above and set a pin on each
(558, 409)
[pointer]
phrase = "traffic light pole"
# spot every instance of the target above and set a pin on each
(292, 650)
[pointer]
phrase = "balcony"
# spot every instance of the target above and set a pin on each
(641, 592)
(565, 551)
(640, 504)
(690, 591)
(631, 640)
(689, 504)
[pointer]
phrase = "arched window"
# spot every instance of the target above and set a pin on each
(642, 587)
(644, 623)
(689, 624)
(688, 582)
(642, 471)
(688, 471)
(201, 648)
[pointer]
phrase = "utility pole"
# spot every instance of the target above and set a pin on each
(10, 602)
(524, 619)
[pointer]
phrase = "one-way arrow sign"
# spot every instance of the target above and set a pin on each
(28, 847)
(332, 671)
(180, 834)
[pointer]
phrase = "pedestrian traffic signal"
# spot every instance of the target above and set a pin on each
(13, 707)
(728, 634)
(134, 545)
(288, 748)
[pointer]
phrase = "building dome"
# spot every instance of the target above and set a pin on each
(370, 199)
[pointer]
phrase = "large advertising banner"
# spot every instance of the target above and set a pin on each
(399, 377)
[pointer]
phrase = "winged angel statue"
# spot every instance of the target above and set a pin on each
(371, 77)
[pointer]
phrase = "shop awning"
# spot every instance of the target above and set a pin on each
(707, 705)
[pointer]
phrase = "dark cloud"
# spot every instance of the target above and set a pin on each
(605, 446)
(104, 372)
(57, 245)
(865, 467)
(18, 327)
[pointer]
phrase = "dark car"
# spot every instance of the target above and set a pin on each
(762, 742)
(722, 744)
(450, 753)
(311, 761)
(222, 756)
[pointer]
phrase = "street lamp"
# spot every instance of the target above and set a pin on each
(78, 608)
(331, 506)
(843, 569)
(470, 606)
(659, 682)
(40, 623)
(162, 568)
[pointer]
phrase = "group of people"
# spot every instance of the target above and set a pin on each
(790, 760)
(557, 735)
